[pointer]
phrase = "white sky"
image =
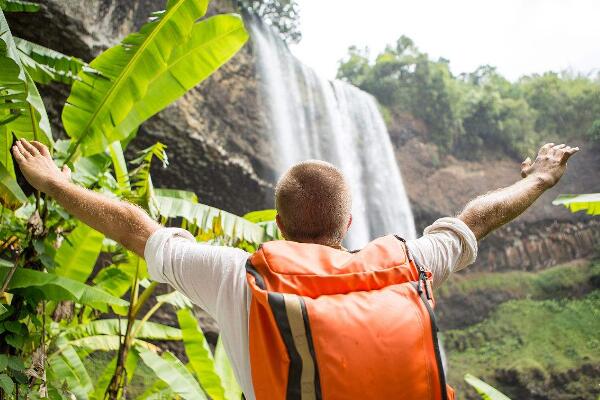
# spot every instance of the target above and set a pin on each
(517, 36)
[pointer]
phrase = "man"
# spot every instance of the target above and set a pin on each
(313, 205)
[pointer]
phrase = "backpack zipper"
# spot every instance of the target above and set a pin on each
(434, 331)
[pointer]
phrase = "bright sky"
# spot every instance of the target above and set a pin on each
(517, 36)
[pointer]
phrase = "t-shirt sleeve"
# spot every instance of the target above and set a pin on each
(447, 246)
(208, 275)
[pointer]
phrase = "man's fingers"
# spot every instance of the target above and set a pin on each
(23, 150)
(18, 156)
(30, 148)
(525, 166)
(41, 148)
(559, 146)
(568, 152)
(544, 149)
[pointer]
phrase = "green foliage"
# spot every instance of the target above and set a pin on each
(479, 111)
(580, 202)
(55, 294)
(486, 391)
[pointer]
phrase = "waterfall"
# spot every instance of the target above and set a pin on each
(311, 117)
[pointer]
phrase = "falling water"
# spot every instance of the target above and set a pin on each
(333, 121)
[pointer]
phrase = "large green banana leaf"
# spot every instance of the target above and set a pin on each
(18, 93)
(19, 6)
(198, 352)
(115, 150)
(45, 65)
(101, 101)
(210, 221)
(176, 299)
(148, 330)
(580, 202)
(67, 370)
(233, 391)
(169, 369)
(103, 343)
(76, 257)
(212, 43)
(486, 391)
(54, 287)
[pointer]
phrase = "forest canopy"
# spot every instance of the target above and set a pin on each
(468, 112)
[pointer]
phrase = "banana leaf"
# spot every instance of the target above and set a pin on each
(486, 391)
(76, 257)
(176, 299)
(233, 391)
(19, 94)
(120, 166)
(67, 370)
(45, 65)
(149, 330)
(212, 43)
(54, 287)
(261, 216)
(169, 369)
(590, 203)
(212, 222)
(104, 343)
(101, 100)
(198, 352)
(18, 6)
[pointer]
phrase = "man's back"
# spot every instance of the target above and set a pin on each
(214, 278)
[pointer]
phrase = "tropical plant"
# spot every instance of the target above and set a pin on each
(590, 203)
(57, 304)
(486, 391)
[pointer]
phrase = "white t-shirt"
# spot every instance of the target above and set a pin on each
(214, 277)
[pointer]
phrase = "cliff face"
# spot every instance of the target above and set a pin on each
(218, 149)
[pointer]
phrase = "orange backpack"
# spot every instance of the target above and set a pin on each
(329, 324)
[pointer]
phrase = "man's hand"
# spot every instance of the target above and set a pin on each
(37, 165)
(492, 210)
(119, 220)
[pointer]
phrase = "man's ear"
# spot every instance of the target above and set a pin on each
(280, 225)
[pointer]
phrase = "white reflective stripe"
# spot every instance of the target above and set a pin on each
(294, 313)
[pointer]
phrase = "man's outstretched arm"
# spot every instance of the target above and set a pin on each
(119, 220)
(492, 210)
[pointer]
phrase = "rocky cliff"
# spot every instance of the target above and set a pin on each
(217, 146)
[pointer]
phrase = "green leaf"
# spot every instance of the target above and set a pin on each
(580, 202)
(486, 391)
(66, 366)
(20, 94)
(11, 195)
(212, 221)
(46, 65)
(169, 369)
(261, 216)
(233, 391)
(113, 280)
(54, 287)
(76, 257)
(212, 43)
(3, 362)
(120, 166)
(6, 384)
(104, 380)
(19, 6)
(149, 330)
(101, 101)
(2, 309)
(105, 343)
(198, 352)
(176, 299)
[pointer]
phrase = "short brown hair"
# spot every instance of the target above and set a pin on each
(313, 201)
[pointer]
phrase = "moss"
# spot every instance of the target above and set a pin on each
(527, 343)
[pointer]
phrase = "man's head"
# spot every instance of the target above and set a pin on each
(313, 203)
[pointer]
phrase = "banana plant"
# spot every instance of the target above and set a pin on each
(486, 391)
(590, 203)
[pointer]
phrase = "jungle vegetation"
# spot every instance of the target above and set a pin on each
(466, 113)
(59, 305)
